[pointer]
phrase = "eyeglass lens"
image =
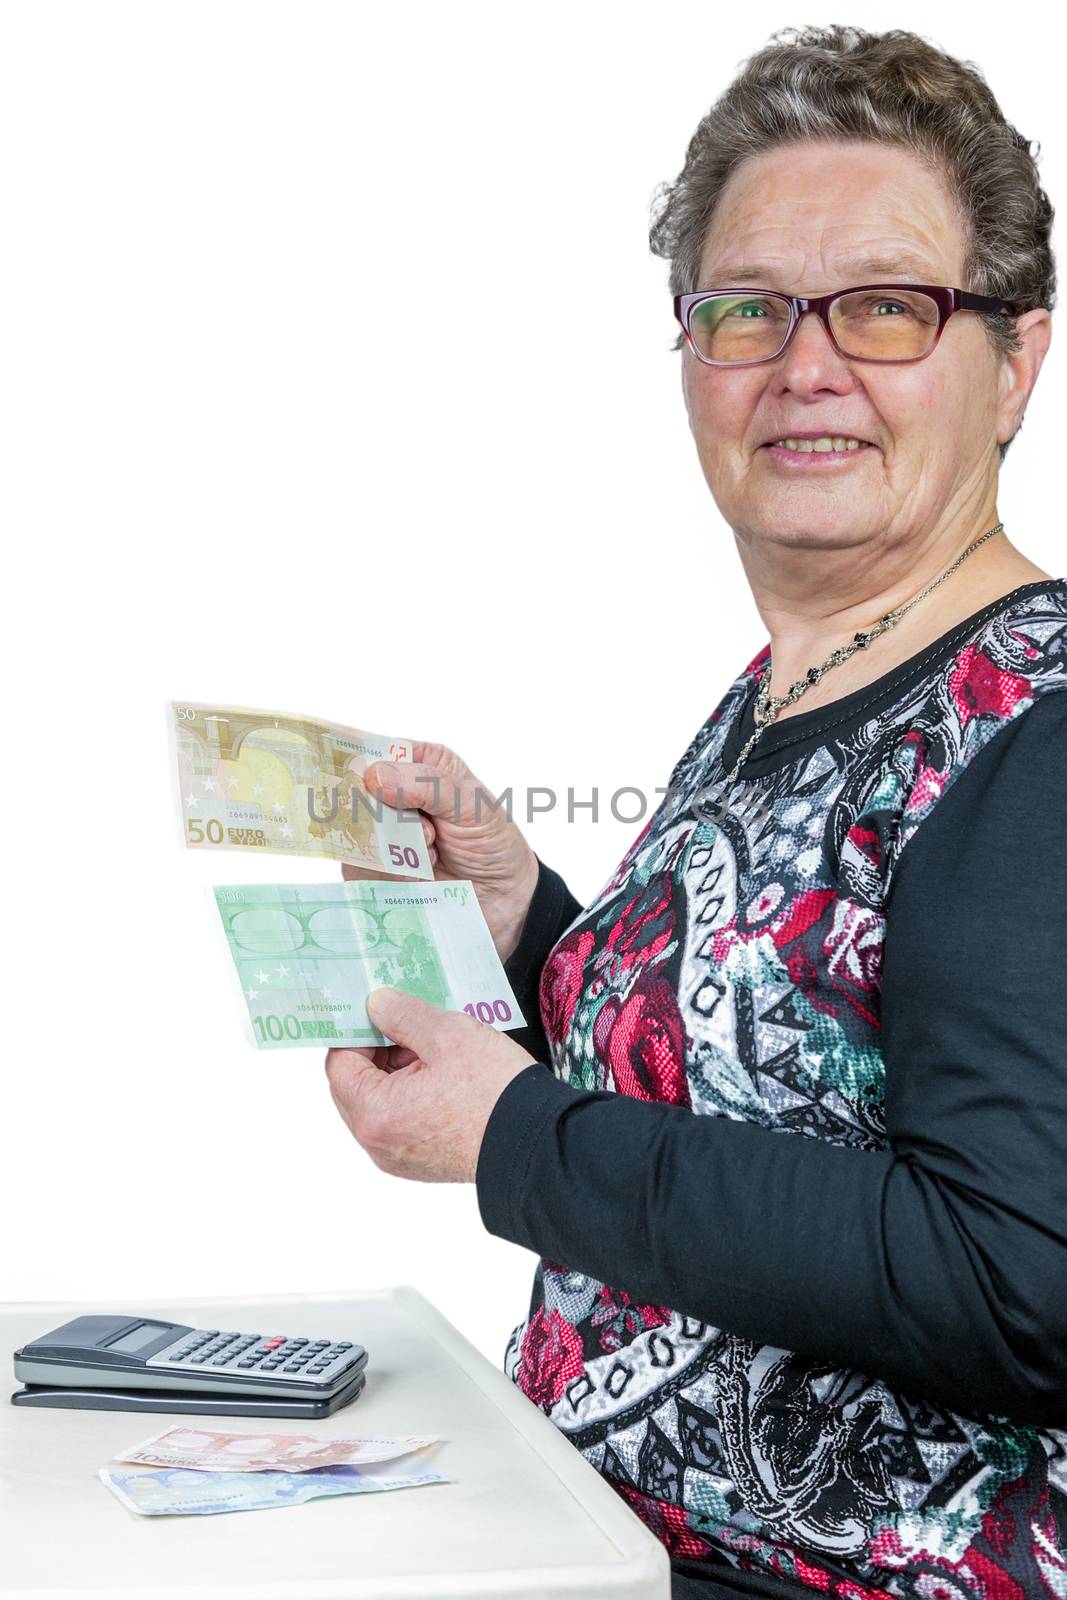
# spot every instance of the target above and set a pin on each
(874, 324)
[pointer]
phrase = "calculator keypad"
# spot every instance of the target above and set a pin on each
(226, 1353)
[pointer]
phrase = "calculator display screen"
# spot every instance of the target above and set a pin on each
(139, 1338)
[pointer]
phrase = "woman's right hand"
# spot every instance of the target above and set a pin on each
(483, 845)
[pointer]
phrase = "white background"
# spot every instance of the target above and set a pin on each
(233, 472)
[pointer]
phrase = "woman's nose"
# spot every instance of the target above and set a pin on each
(810, 355)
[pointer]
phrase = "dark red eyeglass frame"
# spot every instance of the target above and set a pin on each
(948, 301)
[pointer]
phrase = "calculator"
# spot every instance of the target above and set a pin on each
(123, 1353)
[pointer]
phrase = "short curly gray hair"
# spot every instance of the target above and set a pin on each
(841, 82)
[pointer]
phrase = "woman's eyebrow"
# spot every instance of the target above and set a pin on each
(901, 264)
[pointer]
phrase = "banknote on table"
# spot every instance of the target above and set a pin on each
(308, 955)
(180, 1492)
(211, 1450)
(290, 784)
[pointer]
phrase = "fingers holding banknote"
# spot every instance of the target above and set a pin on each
(388, 1057)
(426, 1119)
(473, 836)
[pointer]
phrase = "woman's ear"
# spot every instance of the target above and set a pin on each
(1019, 370)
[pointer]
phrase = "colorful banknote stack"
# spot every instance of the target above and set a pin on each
(206, 1471)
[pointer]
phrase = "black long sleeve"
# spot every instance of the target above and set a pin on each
(938, 1264)
(552, 909)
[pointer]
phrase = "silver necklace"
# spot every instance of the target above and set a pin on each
(766, 708)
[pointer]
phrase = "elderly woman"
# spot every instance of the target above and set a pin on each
(790, 1145)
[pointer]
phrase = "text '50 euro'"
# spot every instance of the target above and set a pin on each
(308, 955)
(274, 781)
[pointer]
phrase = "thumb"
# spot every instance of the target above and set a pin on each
(408, 1019)
(418, 786)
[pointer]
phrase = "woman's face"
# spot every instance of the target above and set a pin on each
(815, 218)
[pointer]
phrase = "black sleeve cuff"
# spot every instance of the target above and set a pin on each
(552, 909)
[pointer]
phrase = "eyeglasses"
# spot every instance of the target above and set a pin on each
(873, 322)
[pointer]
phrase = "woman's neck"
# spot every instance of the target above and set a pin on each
(797, 644)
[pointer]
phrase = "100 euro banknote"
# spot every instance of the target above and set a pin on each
(281, 782)
(308, 955)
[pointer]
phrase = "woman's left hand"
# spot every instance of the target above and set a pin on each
(419, 1108)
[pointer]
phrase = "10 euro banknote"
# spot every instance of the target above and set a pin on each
(292, 785)
(308, 955)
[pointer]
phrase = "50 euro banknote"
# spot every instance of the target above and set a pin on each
(292, 785)
(308, 955)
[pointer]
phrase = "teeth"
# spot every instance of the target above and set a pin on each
(828, 441)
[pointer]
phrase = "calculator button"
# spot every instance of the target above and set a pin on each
(246, 1363)
(297, 1341)
(345, 1345)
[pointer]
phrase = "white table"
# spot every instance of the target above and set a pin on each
(525, 1515)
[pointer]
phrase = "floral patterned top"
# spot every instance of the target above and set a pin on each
(796, 1177)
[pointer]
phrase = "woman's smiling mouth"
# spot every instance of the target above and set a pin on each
(818, 451)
